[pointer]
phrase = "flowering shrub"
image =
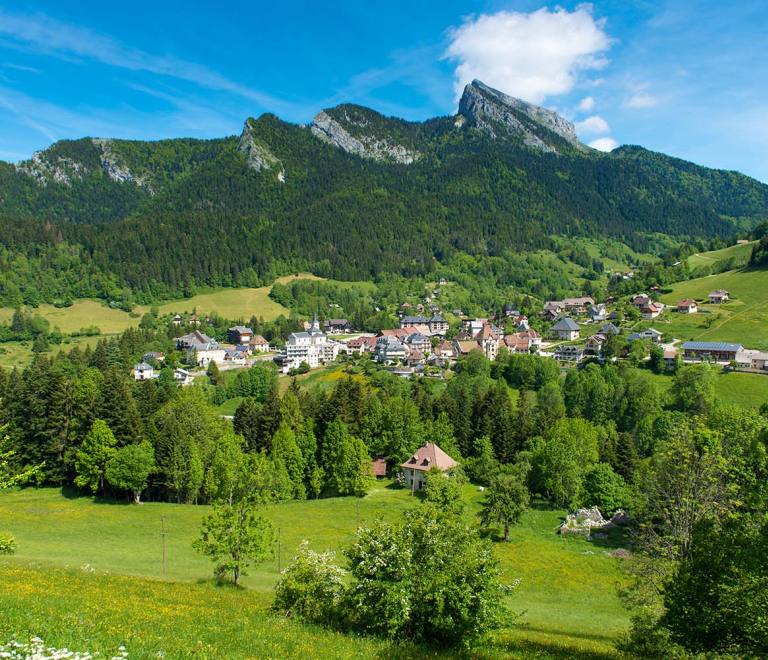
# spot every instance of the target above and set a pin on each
(36, 649)
(311, 588)
(8, 544)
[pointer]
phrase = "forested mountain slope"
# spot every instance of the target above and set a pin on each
(353, 195)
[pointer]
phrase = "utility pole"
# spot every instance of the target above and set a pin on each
(279, 554)
(165, 570)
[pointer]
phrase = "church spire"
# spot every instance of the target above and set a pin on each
(315, 327)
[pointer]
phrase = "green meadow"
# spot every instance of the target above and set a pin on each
(744, 319)
(740, 253)
(88, 574)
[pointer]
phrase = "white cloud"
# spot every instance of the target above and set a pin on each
(604, 144)
(531, 56)
(594, 125)
(586, 104)
(640, 100)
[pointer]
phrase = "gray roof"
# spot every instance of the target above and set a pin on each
(417, 337)
(609, 328)
(711, 346)
(634, 336)
(241, 329)
(437, 319)
(410, 320)
(566, 323)
(143, 367)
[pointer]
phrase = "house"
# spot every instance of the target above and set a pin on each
(597, 313)
(488, 341)
(234, 356)
(239, 335)
(311, 346)
(442, 281)
(719, 296)
(670, 359)
(183, 377)
(465, 347)
(707, 349)
(569, 353)
(640, 300)
(194, 337)
(608, 329)
(379, 467)
(144, 371)
(259, 344)
(153, 355)
(610, 300)
(414, 358)
(420, 323)
(566, 329)
(651, 311)
(419, 342)
(742, 241)
(193, 320)
(445, 349)
(203, 353)
(594, 345)
(177, 320)
(427, 457)
(437, 325)
(652, 334)
(531, 335)
(338, 327)
(687, 306)
(760, 361)
(389, 349)
(574, 304)
(517, 344)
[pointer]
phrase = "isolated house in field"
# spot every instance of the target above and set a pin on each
(427, 457)
(566, 329)
(759, 361)
(177, 320)
(718, 297)
(687, 306)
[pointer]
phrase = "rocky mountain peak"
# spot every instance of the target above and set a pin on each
(256, 154)
(498, 114)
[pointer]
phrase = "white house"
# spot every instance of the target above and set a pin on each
(566, 328)
(144, 371)
(259, 344)
(427, 457)
(184, 377)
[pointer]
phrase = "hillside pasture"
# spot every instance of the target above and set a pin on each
(739, 253)
(73, 547)
(744, 319)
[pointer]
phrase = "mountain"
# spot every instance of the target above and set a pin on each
(353, 195)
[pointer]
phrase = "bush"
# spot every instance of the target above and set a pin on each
(311, 588)
(8, 544)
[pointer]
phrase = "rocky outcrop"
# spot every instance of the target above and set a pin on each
(113, 164)
(256, 154)
(368, 146)
(44, 170)
(496, 113)
(587, 521)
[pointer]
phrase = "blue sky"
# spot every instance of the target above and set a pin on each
(685, 78)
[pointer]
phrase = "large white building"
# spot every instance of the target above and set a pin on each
(311, 347)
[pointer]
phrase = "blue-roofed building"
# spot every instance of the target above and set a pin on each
(707, 349)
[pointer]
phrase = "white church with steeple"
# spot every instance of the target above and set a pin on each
(311, 346)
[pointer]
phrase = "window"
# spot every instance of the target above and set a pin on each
(421, 485)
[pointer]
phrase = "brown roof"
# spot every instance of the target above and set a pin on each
(485, 333)
(686, 303)
(429, 456)
(467, 346)
(379, 466)
(258, 339)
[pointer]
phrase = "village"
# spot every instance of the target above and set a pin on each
(427, 343)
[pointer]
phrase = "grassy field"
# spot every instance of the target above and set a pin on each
(744, 319)
(731, 387)
(67, 581)
(739, 252)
